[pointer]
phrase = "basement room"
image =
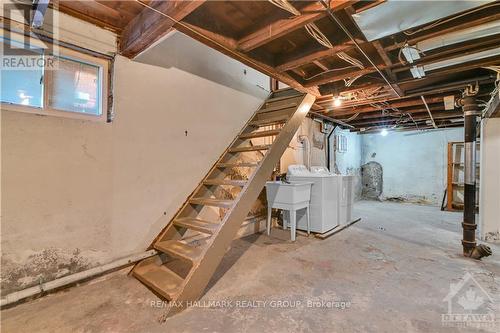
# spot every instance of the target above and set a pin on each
(250, 166)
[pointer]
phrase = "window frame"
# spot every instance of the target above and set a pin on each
(66, 53)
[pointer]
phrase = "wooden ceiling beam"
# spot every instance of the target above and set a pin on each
(395, 104)
(421, 127)
(416, 116)
(93, 12)
(388, 62)
(310, 13)
(332, 77)
(281, 27)
(416, 109)
(149, 26)
(309, 56)
(329, 77)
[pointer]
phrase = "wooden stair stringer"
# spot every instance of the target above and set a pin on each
(202, 271)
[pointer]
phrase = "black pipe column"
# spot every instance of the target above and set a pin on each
(469, 223)
(470, 249)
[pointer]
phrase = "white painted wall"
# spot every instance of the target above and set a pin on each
(79, 193)
(414, 163)
(489, 208)
(296, 151)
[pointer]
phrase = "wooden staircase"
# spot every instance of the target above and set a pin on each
(195, 241)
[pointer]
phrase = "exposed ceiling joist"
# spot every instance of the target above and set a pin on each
(149, 26)
(312, 12)
(262, 37)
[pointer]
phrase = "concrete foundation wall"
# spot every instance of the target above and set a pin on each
(78, 193)
(348, 162)
(414, 164)
(489, 208)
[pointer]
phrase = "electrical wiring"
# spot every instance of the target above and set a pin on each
(285, 5)
(351, 118)
(349, 81)
(327, 71)
(314, 31)
(495, 91)
(311, 28)
(353, 61)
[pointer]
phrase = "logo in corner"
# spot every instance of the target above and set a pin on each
(469, 305)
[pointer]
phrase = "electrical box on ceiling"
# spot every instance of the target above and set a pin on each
(449, 102)
(327, 127)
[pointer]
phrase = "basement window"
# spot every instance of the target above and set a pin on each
(69, 84)
(341, 143)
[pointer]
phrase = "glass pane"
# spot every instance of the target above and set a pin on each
(74, 86)
(23, 85)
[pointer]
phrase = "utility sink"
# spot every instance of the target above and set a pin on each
(290, 197)
(288, 194)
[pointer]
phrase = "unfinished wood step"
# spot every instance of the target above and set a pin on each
(289, 106)
(229, 182)
(212, 202)
(260, 134)
(250, 148)
(158, 277)
(270, 120)
(288, 90)
(179, 249)
(237, 165)
(197, 224)
(282, 98)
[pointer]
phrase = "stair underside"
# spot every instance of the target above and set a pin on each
(211, 239)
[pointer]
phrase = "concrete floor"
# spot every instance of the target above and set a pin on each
(392, 270)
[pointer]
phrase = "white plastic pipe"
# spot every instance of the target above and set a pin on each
(307, 150)
(57, 283)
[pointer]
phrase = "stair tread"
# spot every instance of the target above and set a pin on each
(278, 108)
(159, 278)
(212, 202)
(269, 120)
(250, 148)
(260, 134)
(197, 224)
(231, 182)
(282, 98)
(179, 249)
(237, 165)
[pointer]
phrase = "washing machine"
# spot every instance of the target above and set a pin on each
(325, 198)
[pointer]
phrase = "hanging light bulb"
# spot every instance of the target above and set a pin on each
(337, 101)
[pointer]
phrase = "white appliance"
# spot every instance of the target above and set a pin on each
(346, 199)
(331, 198)
(324, 198)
